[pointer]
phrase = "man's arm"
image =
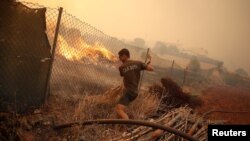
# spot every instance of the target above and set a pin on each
(120, 70)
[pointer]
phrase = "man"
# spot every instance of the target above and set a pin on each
(131, 72)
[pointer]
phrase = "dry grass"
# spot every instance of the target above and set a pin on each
(65, 107)
(102, 107)
(144, 105)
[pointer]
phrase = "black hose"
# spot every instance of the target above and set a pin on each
(122, 121)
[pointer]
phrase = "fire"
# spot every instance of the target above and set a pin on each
(79, 50)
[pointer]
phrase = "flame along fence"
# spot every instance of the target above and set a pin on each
(85, 59)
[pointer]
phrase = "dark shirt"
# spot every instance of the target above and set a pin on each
(130, 71)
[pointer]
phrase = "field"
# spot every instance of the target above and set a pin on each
(231, 102)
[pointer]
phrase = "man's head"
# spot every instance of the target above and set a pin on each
(124, 55)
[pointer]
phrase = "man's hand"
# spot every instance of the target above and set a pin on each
(149, 68)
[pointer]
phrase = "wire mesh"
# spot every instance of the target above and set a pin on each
(85, 58)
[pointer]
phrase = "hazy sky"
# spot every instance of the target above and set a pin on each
(220, 26)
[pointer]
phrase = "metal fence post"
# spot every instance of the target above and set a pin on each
(47, 89)
(172, 67)
(139, 86)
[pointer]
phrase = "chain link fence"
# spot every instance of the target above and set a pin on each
(85, 59)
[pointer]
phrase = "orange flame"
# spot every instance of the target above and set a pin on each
(81, 50)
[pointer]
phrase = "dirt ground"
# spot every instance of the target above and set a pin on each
(226, 99)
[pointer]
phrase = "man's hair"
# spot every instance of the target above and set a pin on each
(124, 52)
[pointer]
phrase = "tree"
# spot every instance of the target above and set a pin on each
(220, 66)
(241, 72)
(194, 65)
(173, 49)
(139, 42)
(162, 48)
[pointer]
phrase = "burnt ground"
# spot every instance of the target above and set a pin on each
(62, 108)
(227, 99)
